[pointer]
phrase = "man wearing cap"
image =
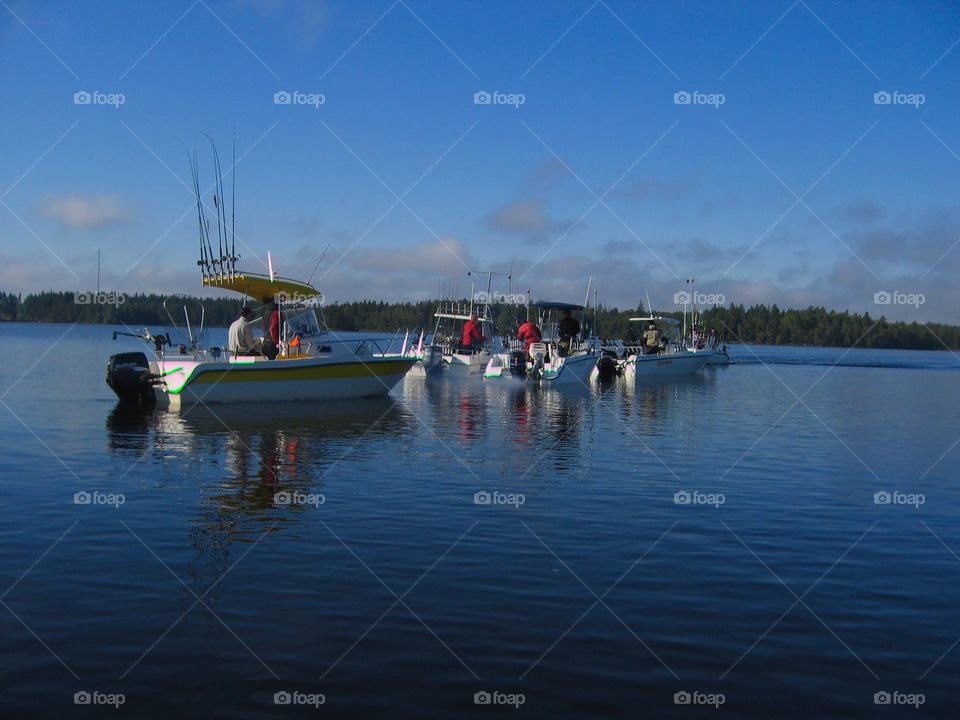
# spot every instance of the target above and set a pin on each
(241, 337)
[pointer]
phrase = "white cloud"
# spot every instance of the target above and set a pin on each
(528, 219)
(86, 212)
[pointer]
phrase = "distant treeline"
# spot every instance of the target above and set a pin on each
(733, 323)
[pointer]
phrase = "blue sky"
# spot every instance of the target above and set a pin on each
(598, 173)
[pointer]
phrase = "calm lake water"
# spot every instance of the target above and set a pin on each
(720, 538)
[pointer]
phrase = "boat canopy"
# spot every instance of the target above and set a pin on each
(262, 287)
(550, 305)
(659, 320)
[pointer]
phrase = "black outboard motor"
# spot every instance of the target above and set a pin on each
(129, 376)
(607, 366)
(518, 363)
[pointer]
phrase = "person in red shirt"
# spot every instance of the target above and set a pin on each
(473, 338)
(275, 325)
(530, 333)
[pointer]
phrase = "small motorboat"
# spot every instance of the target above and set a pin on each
(306, 362)
(667, 359)
(311, 363)
(558, 359)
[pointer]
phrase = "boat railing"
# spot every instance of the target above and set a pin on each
(360, 347)
(460, 311)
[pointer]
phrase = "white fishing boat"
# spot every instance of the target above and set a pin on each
(695, 337)
(667, 359)
(448, 352)
(311, 363)
(558, 359)
(298, 360)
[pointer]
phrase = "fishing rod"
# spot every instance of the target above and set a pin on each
(233, 208)
(217, 204)
(202, 261)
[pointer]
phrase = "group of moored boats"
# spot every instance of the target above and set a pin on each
(308, 361)
(312, 362)
(556, 356)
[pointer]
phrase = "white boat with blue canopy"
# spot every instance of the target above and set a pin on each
(559, 359)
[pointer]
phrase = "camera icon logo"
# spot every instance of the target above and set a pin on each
(682, 97)
(82, 698)
(282, 97)
(682, 497)
(882, 97)
(882, 298)
(82, 298)
(682, 298)
(82, 498)
(82, 97)
(882, 497)
(881, 698)
(282, 498)
(482, 97)
(481, 698)
(482, 498)
(682, 698)
(282, 697)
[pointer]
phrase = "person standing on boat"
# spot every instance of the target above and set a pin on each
(473, 338)
(530, 333)
(569, 330)
(270, 324)
(240, 335)
(652, 339)
(569, 326)
(271, 321)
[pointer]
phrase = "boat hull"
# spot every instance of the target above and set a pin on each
(574, 370)
(718, 358)
(664, 365)
(188, 382)
(466, 364)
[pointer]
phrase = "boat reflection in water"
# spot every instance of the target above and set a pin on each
(519, 432)
(248, 469)
(263, 449)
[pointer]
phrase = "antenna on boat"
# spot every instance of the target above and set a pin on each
(270, 266)
(586, 298)
(595, 303)
(322, 256)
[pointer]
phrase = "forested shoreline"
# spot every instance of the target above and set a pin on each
(758, 324)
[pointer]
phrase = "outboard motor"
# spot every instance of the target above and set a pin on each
(432, 359)
(518, 363)
(607, 366)
(129, 376)
(538, 351)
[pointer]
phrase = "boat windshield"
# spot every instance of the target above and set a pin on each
(303, 323)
